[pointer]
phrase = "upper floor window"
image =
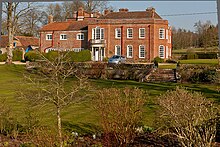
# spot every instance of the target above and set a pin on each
(141, 51)
(63, 37)
(142, 33)
(129, 33)
(98, 33)
(129, 51)
(80, 36)
(49, 37)
(118, 33)
(161, 33)
(161, 51)
(117, 50)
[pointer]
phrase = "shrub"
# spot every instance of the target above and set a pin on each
(198, 73)
(82, 56)
(32, 56)
(171, 61)
(3, 57)
(17, 55)
(120, 111)
(189, 116)
(192, 55)
(209, 55)
(158, 60)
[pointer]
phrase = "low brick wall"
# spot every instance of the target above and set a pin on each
(98, 70)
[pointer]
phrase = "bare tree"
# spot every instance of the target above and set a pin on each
(50, 85)
(189, 116)
(14, 11)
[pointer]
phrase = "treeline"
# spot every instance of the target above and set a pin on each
(205, 35)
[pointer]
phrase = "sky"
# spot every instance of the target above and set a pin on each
(175, 7)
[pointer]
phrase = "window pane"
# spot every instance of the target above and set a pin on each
(142, 33)
(141, 51)
(161, 51)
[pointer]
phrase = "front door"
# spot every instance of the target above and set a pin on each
(96, 54)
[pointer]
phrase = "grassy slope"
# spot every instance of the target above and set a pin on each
(82, 115)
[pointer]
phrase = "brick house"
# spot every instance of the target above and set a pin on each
(138, 35)
(19, 42)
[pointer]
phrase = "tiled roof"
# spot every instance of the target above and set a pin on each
(130, 15)
(24, 40)
(4, 41)
(66, 26)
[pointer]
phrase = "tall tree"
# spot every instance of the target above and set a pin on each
(13, 10)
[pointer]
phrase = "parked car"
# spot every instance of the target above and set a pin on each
(117, 59)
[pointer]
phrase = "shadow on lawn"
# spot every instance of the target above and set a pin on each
(81, 128)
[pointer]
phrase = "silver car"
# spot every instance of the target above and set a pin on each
(117, 59)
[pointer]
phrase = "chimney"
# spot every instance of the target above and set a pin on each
(152, 10)
(80, 16)
(106, 12)
(50, 19)
(123, 10)
(75, 14)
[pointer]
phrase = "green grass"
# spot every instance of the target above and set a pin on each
(182, 51)
(167, 66)
(81, 116)
(200, 61)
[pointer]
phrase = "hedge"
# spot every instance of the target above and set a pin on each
(71, 56)
(17, 56)
(199, 55)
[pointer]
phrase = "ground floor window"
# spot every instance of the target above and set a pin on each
(117, 50)
(161, 51)
(129, 51)
(141, 51)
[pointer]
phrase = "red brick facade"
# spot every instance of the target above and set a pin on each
(100, 35)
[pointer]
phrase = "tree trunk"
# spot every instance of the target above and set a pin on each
(59, 126)
(10, 34)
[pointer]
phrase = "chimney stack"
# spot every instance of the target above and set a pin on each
(123, 10)
(152, 10)
(75, 14)
(106, 11)
(50, 19)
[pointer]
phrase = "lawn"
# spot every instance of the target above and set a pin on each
(200, 61)
(81, 116)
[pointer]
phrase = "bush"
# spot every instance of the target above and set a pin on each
(82, 56)
(209, 55)
(32, 56)
(189, 116)
(198, 73)
(192, 55)
(3, 57)
(120, 111)
(171, 61)
(158, 60)
(17, 55)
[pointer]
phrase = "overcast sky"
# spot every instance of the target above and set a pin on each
(175, 7)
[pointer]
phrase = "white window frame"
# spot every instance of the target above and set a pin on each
(167, 36)
(62, 37)
(161, 33)
(49, 36)
(116, 49)
(128, 51)
(129, 34)
(140, 33)
(80, 36)
(118, 33)
(98, 35)
(161, 51)
(142, 51)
